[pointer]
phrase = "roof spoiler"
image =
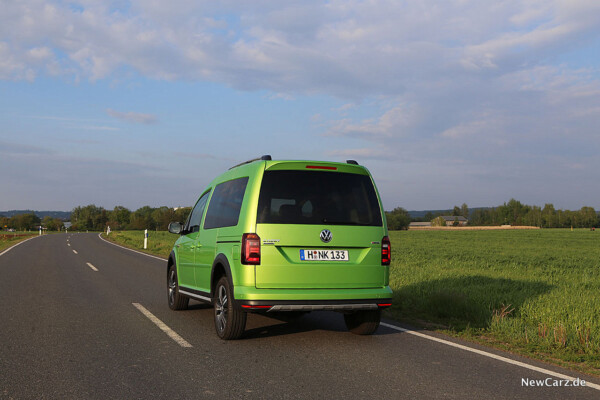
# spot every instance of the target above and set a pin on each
(266, 157)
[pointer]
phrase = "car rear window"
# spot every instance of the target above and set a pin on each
(317, 198)
(225, 204)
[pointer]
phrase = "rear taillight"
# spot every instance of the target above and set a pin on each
(386, 251)
(250, 249)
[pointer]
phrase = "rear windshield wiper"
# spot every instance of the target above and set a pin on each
(326, 221)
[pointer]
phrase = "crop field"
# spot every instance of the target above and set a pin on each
(535, 292)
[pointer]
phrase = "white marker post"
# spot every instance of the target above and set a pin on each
(145, 239)
(40, 234)
(107, 230)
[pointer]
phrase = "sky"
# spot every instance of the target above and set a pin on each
(144, 102)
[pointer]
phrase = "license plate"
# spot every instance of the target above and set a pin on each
(323, 255)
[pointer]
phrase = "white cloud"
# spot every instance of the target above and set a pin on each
(366, 153)
(345, 48)
(394, 122)
(131, 116)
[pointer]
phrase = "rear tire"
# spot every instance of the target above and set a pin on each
(230, 321)
(176, 300)
(363, 322)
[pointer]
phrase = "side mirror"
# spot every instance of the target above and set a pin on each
(176, 228)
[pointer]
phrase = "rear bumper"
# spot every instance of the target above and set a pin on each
(282, 296)
(313, 305)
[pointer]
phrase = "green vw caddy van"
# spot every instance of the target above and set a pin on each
(284, 236)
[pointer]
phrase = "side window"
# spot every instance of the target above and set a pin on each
(193, 224)
(225, 205)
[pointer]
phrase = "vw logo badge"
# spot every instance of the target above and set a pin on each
(326, 235)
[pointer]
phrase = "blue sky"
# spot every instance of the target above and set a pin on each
(143, 102)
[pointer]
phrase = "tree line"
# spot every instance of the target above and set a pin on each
(30, 221)
(516, 213)
(92, 217)
(512, 212)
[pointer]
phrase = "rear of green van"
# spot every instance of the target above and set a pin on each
(321, 240)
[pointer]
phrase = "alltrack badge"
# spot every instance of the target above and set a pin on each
(326, 235)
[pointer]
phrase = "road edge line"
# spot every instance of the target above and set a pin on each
(490, 355)
(163, 327)
(15, 245)
(127, 248)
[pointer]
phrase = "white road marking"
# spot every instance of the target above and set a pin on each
(92, 267)
(170, 332)
(75, 251)
(69, 244)
(135, 251)
(490, 355)
(12, 247)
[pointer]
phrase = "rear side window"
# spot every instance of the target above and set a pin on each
(225, 204)
(193, 224)
(317, 198)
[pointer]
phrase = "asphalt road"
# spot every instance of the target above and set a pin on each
(69, 331)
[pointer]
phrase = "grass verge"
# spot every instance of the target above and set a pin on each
(160, 243)
(8, 239)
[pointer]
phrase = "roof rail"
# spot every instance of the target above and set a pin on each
(266, 157)
(353, 162)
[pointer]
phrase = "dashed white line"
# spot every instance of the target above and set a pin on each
(92, 267)
(69, 244)
(490, 355)
(75, 251)
(170, 332)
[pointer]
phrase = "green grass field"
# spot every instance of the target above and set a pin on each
(532, 292)
(535, 292)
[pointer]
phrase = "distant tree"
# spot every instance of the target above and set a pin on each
(398, 219)
(90, 217)
(119, 218)
(142, 219)
(181, 214)
(464, 210)
(588, 217)
(52, 224)
(162, 217)
(456, 211)
(438, 221)
(428, 216)
(549, 217)
(23, 222)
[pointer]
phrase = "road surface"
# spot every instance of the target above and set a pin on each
(81, 318)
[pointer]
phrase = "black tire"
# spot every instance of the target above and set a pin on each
(176, 300)
(230, 321)
(363, 322)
